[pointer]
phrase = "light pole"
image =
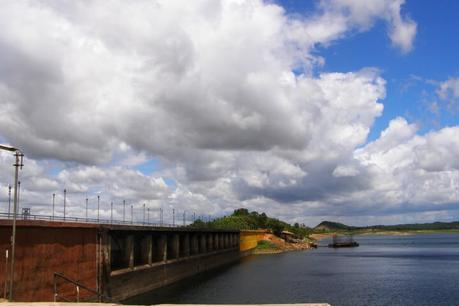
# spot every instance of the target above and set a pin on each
(19, 196)
(17, 165)
(132, 214)
(161, 216)
(87, 208)
(98, 205)
(148, 215)
(65, 201)
(173, 216)
(54, 198)
(144, 213)
(124, 211)
(9, 201)
(111, 212)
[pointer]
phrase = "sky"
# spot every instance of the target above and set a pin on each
(343, 110)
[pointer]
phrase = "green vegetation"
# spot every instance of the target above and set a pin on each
(242, 219)
(266, 245)
(328, 226)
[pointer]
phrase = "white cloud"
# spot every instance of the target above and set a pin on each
(362, 14)
(449, 89)
(206, 89)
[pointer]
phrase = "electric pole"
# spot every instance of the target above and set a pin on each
(19, 156)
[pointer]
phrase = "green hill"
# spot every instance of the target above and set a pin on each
(242, 219)
(329, 226)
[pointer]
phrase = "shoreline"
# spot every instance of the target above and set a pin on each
(320, 236)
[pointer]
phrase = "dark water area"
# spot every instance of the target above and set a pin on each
(383, 270)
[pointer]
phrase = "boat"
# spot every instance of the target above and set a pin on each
(343, 242)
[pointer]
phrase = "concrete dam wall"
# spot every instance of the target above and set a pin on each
(110, 262)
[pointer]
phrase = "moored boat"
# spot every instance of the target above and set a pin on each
(343, 242)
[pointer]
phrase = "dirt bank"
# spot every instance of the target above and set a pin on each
(272, 244)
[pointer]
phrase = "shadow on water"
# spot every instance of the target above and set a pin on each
(168, 294)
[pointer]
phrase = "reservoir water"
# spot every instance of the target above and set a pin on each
(384, 270)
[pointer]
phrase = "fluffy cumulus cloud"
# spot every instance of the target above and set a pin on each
(225, 97)
(361, 15)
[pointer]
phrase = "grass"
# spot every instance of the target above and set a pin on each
(266, 245)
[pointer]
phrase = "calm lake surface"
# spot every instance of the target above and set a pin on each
(384, 270)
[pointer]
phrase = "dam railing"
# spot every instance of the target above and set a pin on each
(21, 216)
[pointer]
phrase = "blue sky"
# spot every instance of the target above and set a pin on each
(409, 88)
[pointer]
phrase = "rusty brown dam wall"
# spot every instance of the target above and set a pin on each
(107, 262)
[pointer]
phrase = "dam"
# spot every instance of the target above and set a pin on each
(69, 261)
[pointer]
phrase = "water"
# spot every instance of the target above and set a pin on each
(384, 270)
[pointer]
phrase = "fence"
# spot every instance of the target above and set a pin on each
(83, 220)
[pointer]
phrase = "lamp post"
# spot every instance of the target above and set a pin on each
(19, 196)
(132, 214)
(173, 216)
(148, 215)
(143, 213)
(161, 216)
(9, 201)
(111, 212)
(87, 208)
(124, 211)
(19, 156)
(65, 201)
(54, 198)
(98, 206)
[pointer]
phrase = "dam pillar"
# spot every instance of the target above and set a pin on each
(202, 243)
(187, 245)
(184, 246)
(173, 245)
(194, 244)
(216, 246)
(210, 242)
(163, 247)
(149, 242)
(130, 251)
(221, 241)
